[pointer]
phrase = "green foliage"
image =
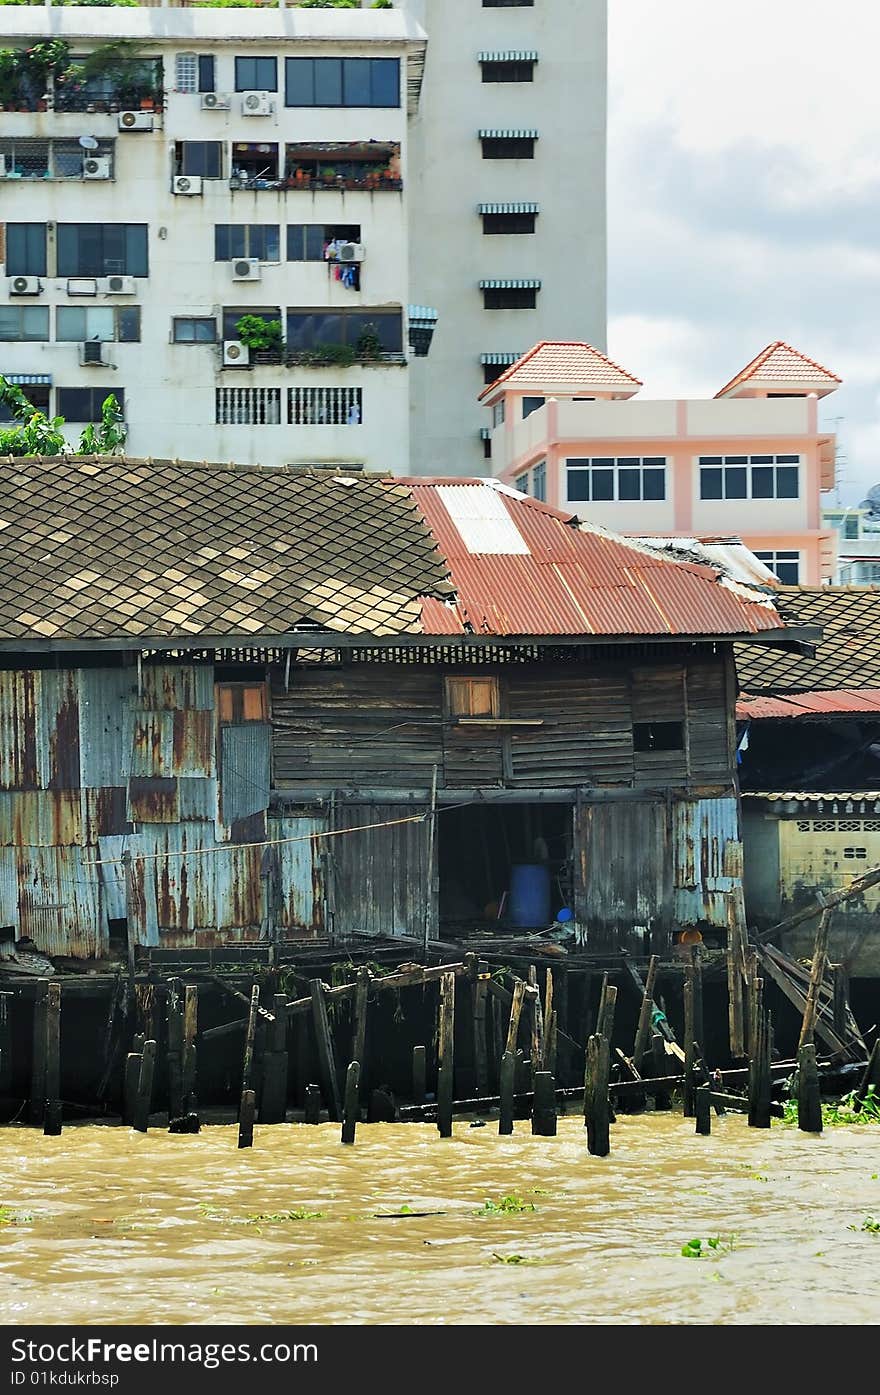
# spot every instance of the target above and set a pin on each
(339, 355)
(34, 433)
(869, 1224)
(507, 1206)
(368, 343)
(8, 1216)
(842, 1111)
(109, 436)
(711, 1248)
(103, 4)
(298, 1214)
(258, 333)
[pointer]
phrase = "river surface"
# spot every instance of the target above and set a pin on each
(104, 1225)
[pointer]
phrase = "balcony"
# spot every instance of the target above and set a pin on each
(373, 166)
(62, 159)
(325, 356)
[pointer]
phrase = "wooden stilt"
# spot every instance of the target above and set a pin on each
(507, 1086)
(246, 1112)
(659, 1058)
(174, 1037)
(697, 979)
(273, 1093)
(247, 1070)
(351, 1111)
(817, 974)
(536, 1020)
(519, 989)
(703, 1109)
(544, 1105)
(606, 1021)
(481, 1053)
(760, 1075)
(643, 1029)
(37, 1104)
(840, 1000)
(560, 1045)
(445, 1056)
(734, 982)
(809, 1101)
(5, 1044)
(690, 1049)
(359, 1034)
(596, 1096)
(324, 1043)
(52, 1114)
(313, 1104)
(130, 1086)
(188, 1066)
(419, 1074)
(144, 1099)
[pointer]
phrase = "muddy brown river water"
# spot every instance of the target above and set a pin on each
(105, 1225)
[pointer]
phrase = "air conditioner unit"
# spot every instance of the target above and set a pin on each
(256, 104)
(246, 269)
(215, 101)
(92, 352)
(24, 285)
(118, 285)
(82, 285)
(235, 354)
(351, 252)
(96, 167)
(186, 184)
(136, 121)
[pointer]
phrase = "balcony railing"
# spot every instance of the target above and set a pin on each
(372, 183)
(315, 358)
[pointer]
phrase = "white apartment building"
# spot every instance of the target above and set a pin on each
(223, 163)
(507, 202)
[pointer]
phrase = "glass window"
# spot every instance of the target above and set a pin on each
(76, 323)
(851, 527)
(510, 297)
(522, 484)
(654, 483)
(199, 157)
(27, 323)
(785, 565)
(307, 329)
(256, 75)
(507, 70)
(82, 404)
(749, 477)
(206, 72)
(26, 249)
(531, 404)
(306, 241)
(193, 330)
(328, 82)
(260, 240)
(233, 313)
(357, 82)
(627, 478)
(539, 481)
(342, 82)
(508, 147)
(102, 249)
(762, 482)
(498, 413)
(787, 481)
(602, 484)
(186, 72)
(384, 82)
(508, 222)
(578, 486)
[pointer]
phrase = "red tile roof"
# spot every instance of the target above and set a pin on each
(522, 568)
(566, 362)
(780, 363)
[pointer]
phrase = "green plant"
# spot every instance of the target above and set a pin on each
(842, 1111)
(298, 1214)
(368, 343)
(507, 1206)
(869, 1224)
(109, 436)
(258, 333)
(710, 1248)
(34, 432)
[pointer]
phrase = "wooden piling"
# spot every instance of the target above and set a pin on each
(606, 1021)
(481, 1050)
(734, 982)
(697, 980)
(690, 1047)
(37, 1103)
(596, 1103)
(643, 1029)
(703, 1109)
(174, 1037)
(359, 1024)
(519, 989)
(536, 1022)
(809, 1101)
(324, 1043)
(144, 1099)
(840, 1000)
(351, 1110)
(419, 1074)
(544, 1105)
(246, 1112)
(5, 1045)
(817, 974)
(760, 1074)
(445, 1057)
(507, 1089)
(662, 1099)
(273, 1091)
(250, 1035)
(188, 1064)
(313, 1104)
(52, 1111)
(130, 1086)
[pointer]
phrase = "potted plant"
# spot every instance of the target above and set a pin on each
(368, 345)
(264, 337)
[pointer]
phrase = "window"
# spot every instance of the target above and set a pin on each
(306, 241)
(508, 223)
(507, 4)
(248, 406)
(84, 403)
(749, 476)
(103, 322)
(242, 702)
(193, 330)
(602, 479)
(36, 393)
(260, 240)
(785, 565)
(202, 157)
(233, 313)
(510, 297)
(507, 69)
(522, 483)
(102, 249)
(658, 736)
(487, 447)
(26, 249)
(342, 82)
(851, 527)
(27, 323)
(498, 413)
(307, 329)
(51, 159)
(472, 697)
(531, 404)
(324, 406)
(539, 481)
(206, 72)
(509, 147)
(186, 72)
(256, 75)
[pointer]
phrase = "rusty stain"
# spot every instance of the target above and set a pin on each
(152, 800)
(193, 743)
(64, 761)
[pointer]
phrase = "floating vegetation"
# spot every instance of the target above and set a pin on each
(211, 1212)
(514, 1259)
(869, 1224)
(507, 1206)
(711, 1248)
(8, 1216)
(842, 1111)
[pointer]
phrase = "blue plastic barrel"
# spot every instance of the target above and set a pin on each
(529, 902)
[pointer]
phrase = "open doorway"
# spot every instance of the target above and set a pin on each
(503, 866)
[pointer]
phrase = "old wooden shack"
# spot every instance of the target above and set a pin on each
(243, 704)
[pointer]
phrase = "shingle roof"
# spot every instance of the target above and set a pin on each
(779, 363)
(848, 655)
(104, 547)
(96, 549)
(568, 362)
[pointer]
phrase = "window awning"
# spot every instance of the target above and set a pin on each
(487, 133)
(422, 314)
(510, 55)
(510, 285)
(28, 379)
(485, 433)
(499, 360)
(508, 208)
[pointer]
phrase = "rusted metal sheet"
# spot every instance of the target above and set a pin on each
(106, 695)
(707, 859)
(620, 863)
(197, 800)
(838, 702)
(152, 800)
(379, 875)
(186, 886)
(59, 901)
(172, 743)
(294, 873)
(238, 889)
(34, 818)
(112, 876)
(39, 729)
(19, 766)
(177, 687)
(106, 812)
(244, 772)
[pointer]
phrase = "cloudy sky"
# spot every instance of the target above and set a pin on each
(744, 199)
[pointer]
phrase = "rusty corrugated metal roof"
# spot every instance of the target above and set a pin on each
(835, 702)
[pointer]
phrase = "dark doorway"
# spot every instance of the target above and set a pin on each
(480, 845)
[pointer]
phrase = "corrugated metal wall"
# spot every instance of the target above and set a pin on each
(379, 877)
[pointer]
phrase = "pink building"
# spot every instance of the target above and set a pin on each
(751, 461)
